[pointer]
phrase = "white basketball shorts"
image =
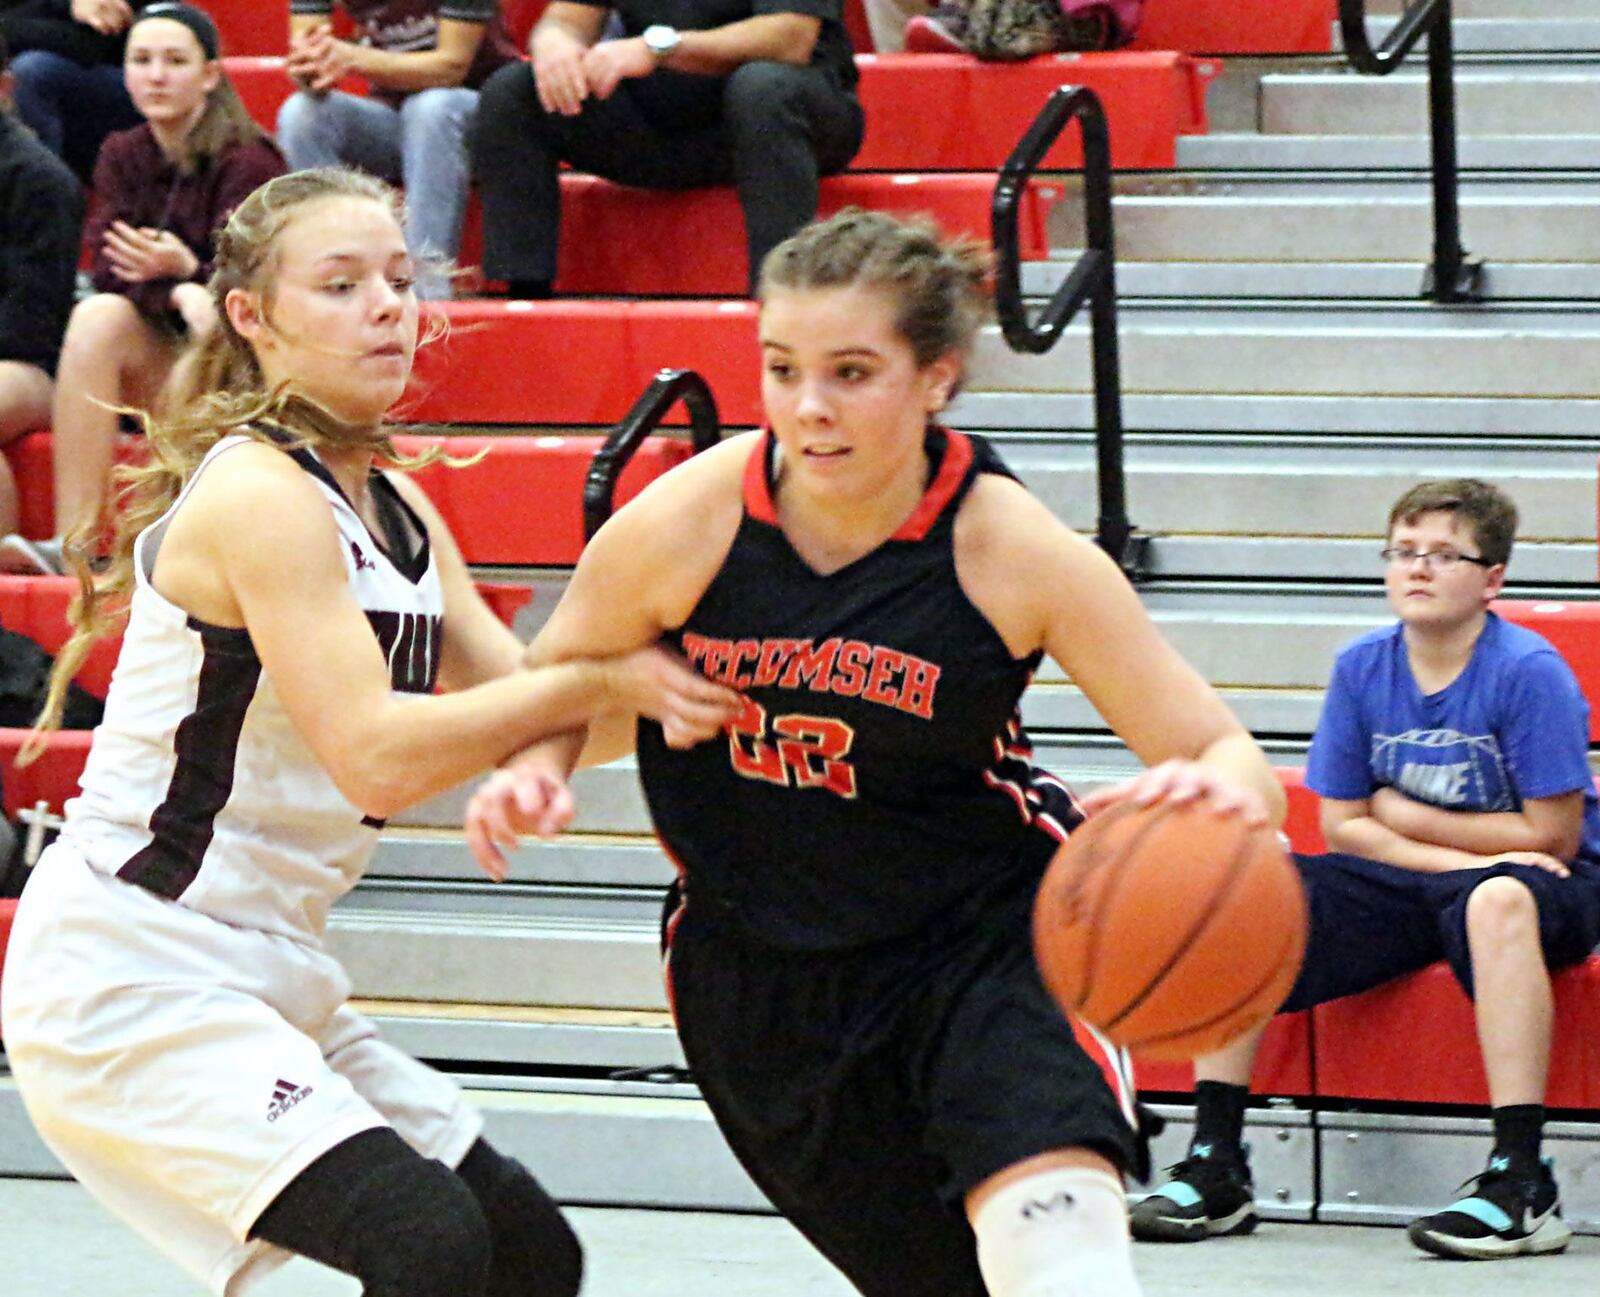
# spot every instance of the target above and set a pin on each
(186, 1071)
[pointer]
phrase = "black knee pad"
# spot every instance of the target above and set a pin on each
(536, 1254)
(403, 1224)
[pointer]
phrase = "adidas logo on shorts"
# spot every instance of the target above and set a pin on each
(285, 1094)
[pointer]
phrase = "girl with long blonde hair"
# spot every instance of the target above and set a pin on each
(180, 1036)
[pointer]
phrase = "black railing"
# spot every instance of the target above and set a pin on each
(667, 388)
(1453, 276)
(1092, 279)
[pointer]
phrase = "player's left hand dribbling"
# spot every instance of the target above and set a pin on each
(522, 798)
(1179, 781)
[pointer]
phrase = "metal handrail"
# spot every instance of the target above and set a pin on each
(666, 389)
(1453, 275)
(1092, 279)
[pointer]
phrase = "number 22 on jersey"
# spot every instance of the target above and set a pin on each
(795, 750)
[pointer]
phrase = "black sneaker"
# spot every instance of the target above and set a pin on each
(1506, 1213)
(1210, 1193)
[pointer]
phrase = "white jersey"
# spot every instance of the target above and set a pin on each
(198, 787)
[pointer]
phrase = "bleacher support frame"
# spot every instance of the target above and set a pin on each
(667, 388)
(1093, 279)
(1453, 276)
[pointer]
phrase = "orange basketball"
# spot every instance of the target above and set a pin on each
(1171, 929)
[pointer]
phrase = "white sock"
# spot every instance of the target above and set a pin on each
(1061, 1233)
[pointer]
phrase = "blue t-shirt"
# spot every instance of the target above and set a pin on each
(1513, 725)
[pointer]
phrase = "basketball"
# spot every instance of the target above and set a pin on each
(1170, 929)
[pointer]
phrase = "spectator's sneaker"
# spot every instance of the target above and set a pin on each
(22, 557)
(1506, 1213)
(1210, 1193)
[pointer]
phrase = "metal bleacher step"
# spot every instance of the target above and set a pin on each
(1479, 150)
(1509, 98)
(1467, 418)
(1337, 349)
(1545, 34)
(1295, 221)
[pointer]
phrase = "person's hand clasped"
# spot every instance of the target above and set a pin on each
(138, 256)
(108, 17)
(663, 686)
(1180, 782)
(524, 797)
(610, 63)
(319, 60)
(558, 74)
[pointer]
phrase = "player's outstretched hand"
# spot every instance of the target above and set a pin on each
(524, 797)
(1178, 782)
(663, 686)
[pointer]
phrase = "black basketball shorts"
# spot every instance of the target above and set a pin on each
(866, 1092)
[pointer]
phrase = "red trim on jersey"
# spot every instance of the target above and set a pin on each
(758, 501)
(1115, 1065)
(958, 454)
(670, 928)
(952, 471)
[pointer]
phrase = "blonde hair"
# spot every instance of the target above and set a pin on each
(940, 285)
(218, 391)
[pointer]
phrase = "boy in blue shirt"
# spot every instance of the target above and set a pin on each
(1452, 762)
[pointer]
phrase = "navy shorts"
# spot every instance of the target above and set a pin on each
(866, 1091)
(1372, 922)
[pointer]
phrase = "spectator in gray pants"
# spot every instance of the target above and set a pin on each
(424, 60)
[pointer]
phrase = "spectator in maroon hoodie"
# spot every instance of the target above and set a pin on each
(161, 191)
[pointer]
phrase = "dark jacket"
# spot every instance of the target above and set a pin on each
(41, 213)
(135, 182)
(49, 25)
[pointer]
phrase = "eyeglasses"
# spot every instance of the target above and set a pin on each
(1437, 560)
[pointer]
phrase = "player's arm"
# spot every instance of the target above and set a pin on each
(256, 546)
(642, 574)
(1043, 585)
(477, 645)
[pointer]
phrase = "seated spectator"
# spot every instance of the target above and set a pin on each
(1452, 761)
(41, 212)
(67, 60)
(757, 93)
(161, 191)
(424, 60)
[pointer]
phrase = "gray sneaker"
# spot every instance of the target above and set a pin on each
(20, 556)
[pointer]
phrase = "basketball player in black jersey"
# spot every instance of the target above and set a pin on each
(848, 946)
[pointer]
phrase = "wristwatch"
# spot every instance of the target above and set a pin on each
(661, 40)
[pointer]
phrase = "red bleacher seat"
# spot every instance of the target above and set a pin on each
(1283, 1067)
(522, 503)
(981, 109)
(514, 362)
(690, 243)
(52, 778)
(929, 112)
(1303, 823)
(29, 457)
(251, 26)
(1414, 1041)
(1238, 26)
(1574, 629)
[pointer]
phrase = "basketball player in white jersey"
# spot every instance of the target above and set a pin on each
(178, 1033)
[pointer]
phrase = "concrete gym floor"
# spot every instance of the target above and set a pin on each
(55, 1241)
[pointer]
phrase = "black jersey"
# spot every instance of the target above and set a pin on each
(878, 778)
